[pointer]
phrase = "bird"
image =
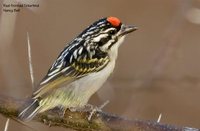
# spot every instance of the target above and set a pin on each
(80, 69)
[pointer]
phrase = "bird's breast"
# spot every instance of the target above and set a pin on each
(92, 82)
(83, 88)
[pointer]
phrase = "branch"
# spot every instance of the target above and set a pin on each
(9, 107)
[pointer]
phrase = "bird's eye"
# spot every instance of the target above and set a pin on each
(112, 32)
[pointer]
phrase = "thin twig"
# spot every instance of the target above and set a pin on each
(30, 61)
(159, 118)
(104, 104)
(7, 124)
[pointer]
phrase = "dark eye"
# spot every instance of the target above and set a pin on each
(112, 32)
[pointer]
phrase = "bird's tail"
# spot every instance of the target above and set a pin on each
(30, 111)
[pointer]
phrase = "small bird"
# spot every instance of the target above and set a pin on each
(80, 69)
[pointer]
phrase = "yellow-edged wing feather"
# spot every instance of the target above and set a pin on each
(76, 70)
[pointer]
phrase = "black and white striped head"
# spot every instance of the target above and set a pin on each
(99, 41)
(106, 34)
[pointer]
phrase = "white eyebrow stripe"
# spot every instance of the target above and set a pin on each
(109, 29)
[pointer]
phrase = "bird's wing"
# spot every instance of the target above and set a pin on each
(70, 68)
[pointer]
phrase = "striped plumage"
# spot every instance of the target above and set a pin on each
(80, 69)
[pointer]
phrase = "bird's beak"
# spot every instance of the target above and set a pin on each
(126, 29)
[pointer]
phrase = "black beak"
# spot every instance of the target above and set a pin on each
(126, 29)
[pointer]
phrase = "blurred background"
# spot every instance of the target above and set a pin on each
(157, 71)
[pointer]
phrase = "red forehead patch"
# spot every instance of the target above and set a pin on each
(114, 21)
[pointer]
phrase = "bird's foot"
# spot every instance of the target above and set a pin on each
(95, 109)
(89, 108)
(63, 111)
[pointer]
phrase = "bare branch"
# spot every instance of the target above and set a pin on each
(9, 107)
